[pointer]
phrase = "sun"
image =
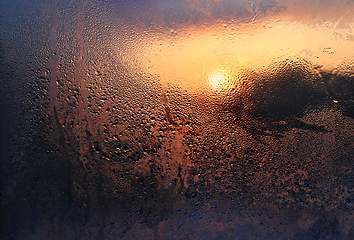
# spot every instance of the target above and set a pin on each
(218, 80)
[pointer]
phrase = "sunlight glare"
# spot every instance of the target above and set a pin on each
(218, 80)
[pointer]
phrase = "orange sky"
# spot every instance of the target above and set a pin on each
(191, 55)
(190, 59)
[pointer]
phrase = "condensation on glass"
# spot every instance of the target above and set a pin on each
(162, 119)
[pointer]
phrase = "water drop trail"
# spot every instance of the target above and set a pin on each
(54, 61)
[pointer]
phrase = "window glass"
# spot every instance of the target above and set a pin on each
(163, 119)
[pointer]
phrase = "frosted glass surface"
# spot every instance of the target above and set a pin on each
(164, 119)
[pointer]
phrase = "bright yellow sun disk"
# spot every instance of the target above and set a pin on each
(218, 80)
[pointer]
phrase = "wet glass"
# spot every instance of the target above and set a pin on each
(191, 119)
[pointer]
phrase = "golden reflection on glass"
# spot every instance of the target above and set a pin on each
(219, 80)
(188, 55)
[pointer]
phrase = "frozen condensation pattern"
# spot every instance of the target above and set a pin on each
(184, 119)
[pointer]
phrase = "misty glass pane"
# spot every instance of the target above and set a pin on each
(164, 119)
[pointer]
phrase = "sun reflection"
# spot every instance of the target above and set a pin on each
(218, 80)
